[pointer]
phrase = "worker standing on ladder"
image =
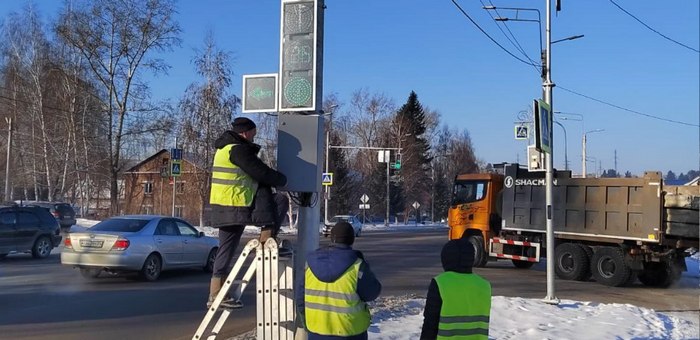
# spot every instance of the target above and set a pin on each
(338, 283)
(241, 194)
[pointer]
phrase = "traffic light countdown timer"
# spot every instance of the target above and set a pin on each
(298, 56)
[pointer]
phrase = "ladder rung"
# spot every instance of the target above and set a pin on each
(239, 281)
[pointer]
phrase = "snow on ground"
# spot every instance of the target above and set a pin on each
(401, 317)
(398, 318)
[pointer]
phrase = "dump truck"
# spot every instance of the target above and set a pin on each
(613, 229)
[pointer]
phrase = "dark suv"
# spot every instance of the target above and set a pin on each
(63, 212)
(28, 229)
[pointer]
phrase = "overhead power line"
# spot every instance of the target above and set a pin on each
(513, 41)
(653, 30)
(490, 38)
(626, 109)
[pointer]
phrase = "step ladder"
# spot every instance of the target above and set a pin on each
(274, 293)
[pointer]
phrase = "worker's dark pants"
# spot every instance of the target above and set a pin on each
(230, 237)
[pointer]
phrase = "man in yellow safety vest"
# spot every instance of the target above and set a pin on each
(338, 283)
(241, 194)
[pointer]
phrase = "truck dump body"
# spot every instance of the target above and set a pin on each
(604, 209)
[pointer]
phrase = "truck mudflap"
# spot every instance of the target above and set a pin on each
(514, 250)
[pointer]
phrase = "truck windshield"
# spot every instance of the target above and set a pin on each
(468, 191)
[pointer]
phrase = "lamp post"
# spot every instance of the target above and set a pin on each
(547, 86)
(583, 149)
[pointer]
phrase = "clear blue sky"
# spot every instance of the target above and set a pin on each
(431, 48)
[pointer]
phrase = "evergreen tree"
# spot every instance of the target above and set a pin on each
(670, 176)
(408, 129)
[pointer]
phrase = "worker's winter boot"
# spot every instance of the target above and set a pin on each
(214, 288)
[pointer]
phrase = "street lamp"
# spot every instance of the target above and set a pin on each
(583, 151)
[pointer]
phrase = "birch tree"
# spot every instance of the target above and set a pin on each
(117, 38)
(207, 108)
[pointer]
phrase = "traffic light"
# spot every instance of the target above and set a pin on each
(397, 164)
(298, 55)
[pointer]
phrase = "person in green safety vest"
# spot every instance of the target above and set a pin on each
(458, 304)
(241, 194)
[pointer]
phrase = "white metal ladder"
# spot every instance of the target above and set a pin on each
(274, 293)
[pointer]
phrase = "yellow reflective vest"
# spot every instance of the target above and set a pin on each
(335, 308)
(230, 185)
(466, 306)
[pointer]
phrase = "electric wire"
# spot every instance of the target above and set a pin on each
(488, 36)
(626, 109)
(653, 30)
(515, 41)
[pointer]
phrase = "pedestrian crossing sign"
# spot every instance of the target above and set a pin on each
(175, 168)
(521, 131)
(327, 178)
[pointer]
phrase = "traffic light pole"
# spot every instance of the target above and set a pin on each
(547, 87)
(398, 150)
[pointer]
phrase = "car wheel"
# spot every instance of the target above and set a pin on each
(42, 248)
(90, 273)
(151, 268)
(209, 267)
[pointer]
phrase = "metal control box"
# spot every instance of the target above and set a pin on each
(299, 151)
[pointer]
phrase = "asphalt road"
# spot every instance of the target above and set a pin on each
(40, 299)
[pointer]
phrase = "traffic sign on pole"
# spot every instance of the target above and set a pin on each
(176, 153)
(521, 131)
(364, 198)
(176, 168)
(543, 126)
(327, 178)
(416, 205)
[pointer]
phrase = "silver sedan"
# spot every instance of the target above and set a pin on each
(146, 244)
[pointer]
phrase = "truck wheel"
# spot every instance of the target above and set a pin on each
(609, 268)
(480, 257)
(571, 261)
(659, 274)
(522, 264)
(589, 254)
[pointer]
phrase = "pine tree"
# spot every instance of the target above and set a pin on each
(409, 127)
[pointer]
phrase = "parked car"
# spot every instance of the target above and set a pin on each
(353, 220)
(28, 229)
(147, 244)
(63, 212)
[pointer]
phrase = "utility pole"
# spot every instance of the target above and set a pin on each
(547, 87)
(174, 179)
(7, 164)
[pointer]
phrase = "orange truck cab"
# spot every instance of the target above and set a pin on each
(475, 210)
